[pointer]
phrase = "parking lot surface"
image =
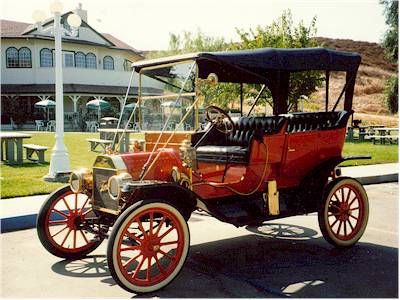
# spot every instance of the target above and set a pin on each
(282, 258)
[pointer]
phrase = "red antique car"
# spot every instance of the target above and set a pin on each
(242, 170)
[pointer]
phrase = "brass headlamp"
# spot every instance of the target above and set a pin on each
(81, 180)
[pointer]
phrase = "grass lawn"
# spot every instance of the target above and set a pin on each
(27, 179)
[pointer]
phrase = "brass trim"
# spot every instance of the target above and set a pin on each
(106, 210)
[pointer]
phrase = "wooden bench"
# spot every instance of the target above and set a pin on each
(96, 142)
(32, 149)
(382, 138)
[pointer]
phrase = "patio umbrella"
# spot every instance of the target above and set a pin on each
(98, 104)
(46, 104)
(131, 106)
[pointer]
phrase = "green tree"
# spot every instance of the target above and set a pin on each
(390, 43)
(283, 33)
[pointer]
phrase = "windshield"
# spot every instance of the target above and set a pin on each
(172, 99)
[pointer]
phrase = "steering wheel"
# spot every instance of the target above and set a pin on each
(222, 121)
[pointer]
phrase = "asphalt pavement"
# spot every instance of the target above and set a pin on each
(21, 212)
(282, 258)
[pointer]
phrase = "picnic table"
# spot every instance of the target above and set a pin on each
(384, 134)
(107, 134)
(362, 132)
(11, 141)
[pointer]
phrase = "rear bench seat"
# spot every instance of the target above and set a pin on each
(235, 147)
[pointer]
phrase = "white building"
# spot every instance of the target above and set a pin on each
(96, 65)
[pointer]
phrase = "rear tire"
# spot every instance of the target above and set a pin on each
(344, 215)
(148, 246)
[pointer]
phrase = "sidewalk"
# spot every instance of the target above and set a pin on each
(21, 213)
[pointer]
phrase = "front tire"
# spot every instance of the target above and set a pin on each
(148, 246)
(345, 211)
(60, 224)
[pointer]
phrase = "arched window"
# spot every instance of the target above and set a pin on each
(108, 63)
(91, 61)
(46, 58)
(127, 65)
(12, 57)
(80, 60)
(25, 58)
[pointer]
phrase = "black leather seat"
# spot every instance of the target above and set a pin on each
(298, 122)
(235, 147)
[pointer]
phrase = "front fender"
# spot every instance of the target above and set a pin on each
(182, 198)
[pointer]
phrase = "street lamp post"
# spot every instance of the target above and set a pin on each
(59, 164)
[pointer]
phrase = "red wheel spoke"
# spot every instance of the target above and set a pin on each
(345, 228)
(340, 226)
(352, 201)
(60, 213)
(167, 232)
(354, 217)
(125, 265)
(148, 277)
(132, 236)
(74, 239)
(84, 236)
(354, 208)
(167, 254)
(168, 243)
(58, 222)
(83, 206)
(138, 267)
(86, 212)
(63, 242)
(337, 199)
(331, 214)
(335, 206)
(333, 224)
(348, 196)
(76, 202)
(66, 204)
(61, 230)
(160, 225)
(342, 190)
(141, 228)
(351, 226)
(159, 265)
(151, 223)
(130, 248)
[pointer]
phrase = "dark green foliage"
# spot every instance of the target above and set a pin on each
(391, 37)
(391, 93)
(281, 33)
(391, 45)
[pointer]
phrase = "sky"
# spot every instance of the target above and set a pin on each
(146, 24)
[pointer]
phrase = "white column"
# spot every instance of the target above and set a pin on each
(59, 164)
(75, 99)
(121, 102)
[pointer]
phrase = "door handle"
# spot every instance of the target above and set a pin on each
(291, 149)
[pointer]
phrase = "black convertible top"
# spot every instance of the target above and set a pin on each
(268, 59)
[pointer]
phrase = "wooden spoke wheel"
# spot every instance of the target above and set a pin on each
(344, 216)
(61, 224)
(148, 247)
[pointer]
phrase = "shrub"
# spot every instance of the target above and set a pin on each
(392, 95)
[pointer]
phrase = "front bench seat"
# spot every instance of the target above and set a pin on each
(235, 147)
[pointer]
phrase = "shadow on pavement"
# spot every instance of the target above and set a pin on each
(278, 260)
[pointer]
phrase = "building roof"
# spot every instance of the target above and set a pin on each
(12, 28)
(15, 29)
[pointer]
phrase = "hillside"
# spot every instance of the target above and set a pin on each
(374, 70)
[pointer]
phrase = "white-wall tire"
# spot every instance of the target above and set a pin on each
(136, 242)
(344, 215)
